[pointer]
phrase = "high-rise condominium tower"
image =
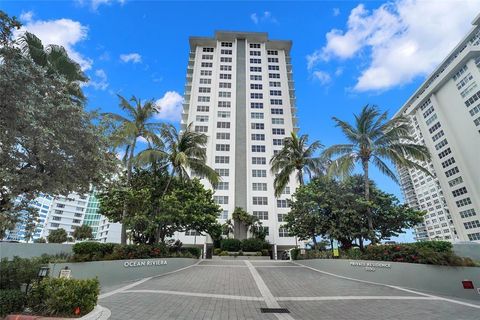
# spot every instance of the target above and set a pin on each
(239, 92)
(445, 116)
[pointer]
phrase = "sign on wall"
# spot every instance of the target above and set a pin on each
(371, 266)
(143, 263)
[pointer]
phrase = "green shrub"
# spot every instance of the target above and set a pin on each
(11, 300)
(92, 251)
(254, 244)
(194, 251)
(18, 271)
(230, 244)
(216, 251)
(265, 252)
(223, 253)
(61, 297)
(259, 253)
(294, 253)
(437, 246)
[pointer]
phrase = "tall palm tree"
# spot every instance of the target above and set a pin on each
(295, 156)
(136, 124)
(56, 61)
(182, 152)
(374, 139)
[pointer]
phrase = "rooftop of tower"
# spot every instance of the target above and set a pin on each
(221, 35)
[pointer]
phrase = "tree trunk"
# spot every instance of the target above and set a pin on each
(360, 243)
(300, 177)
(123, 235)
(371, 232)
(314, 239)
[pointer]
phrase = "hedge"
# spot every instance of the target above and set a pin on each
(11, 300)
(64, 297)
(253, 244)
(230, 245)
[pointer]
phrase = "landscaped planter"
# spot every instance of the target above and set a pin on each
(99, 313)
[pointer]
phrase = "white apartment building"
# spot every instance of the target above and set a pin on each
(239, 92)
(445, 116)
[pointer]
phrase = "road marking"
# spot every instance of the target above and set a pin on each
(328, 298)
(395, 287)
(119, 290)
(197, 294)
(265, 292)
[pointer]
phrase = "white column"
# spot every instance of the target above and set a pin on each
(205, 249)
(275, 251)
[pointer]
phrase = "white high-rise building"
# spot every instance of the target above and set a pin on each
(445, 116)
(239, 92)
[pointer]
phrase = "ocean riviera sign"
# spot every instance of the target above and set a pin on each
(143, 263)
(370, 266)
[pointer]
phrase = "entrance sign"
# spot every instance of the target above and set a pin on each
(335, 248)
(143, 263)
(65, 273)
(370, 266)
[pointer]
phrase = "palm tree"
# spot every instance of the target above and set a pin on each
(374, 139)
(56, 61)
(228, 228)
(182, 151)
(296, 155)
(136, 124)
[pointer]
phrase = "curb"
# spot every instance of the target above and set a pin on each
(98, 313)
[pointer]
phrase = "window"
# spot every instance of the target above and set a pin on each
(258, 137)
(54, 225)
(272, 52)
(255, 77)
(224, 104)
(278, 142)
(281, 217)
(444, 153)
(273, 60)
(203, 99)
(192, 233)
(227, 44)
(207, 64)
(254, 45)
(205, 72)
(223, 135)
(256, 148)
(467, 213)
(259, 173)
(448, 162)
(225, 59)
(276, 111)
(275, 92)
(76, 221)
(205, 81)
(256, 86)
(223, 125)
(277, 131)
(282, 232)
(276, 102)
(434, 127)
(431, 119)
(256, 61)
(223, 172)
(203, 108)
(227, 85)
(274, 75)
(455, 181)
(224, 94)
(277, 121)
(225, 67)
(259, 160)
(441, 144)
(201, 128)
(261, 215)
(472, 224)
(207, 56)
(221, 186)
(255, 53)
(259, 186)
(256, 105)
(222, 147)
(225, 76)
(459, 192)
(282, 203)
(258, 126)
(223, 215)
(223, 114)
(451, 172)
(222, 159)
(255, 69)
(56, 218)
(207, 49)
(223, 51)
(474, 236)
(58, 212)
(286, 190)
(459, 73)
(256, 115)
(437, 135)
(220, 199)
(273, 68)
(463, 202)
(428, 112)
(256, 95)
(260, 201)
(201, 118)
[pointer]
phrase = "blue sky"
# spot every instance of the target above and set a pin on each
(345, 53)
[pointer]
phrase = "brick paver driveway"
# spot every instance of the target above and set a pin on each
(227, 290)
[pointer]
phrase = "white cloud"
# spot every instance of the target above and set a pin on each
(95, 4)
(266, 16)
(322, 76)
(26, 16)
(403, 39)
(131, 57)
(100, 82)
(170, 105)
(64, 32)
(336, 12)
